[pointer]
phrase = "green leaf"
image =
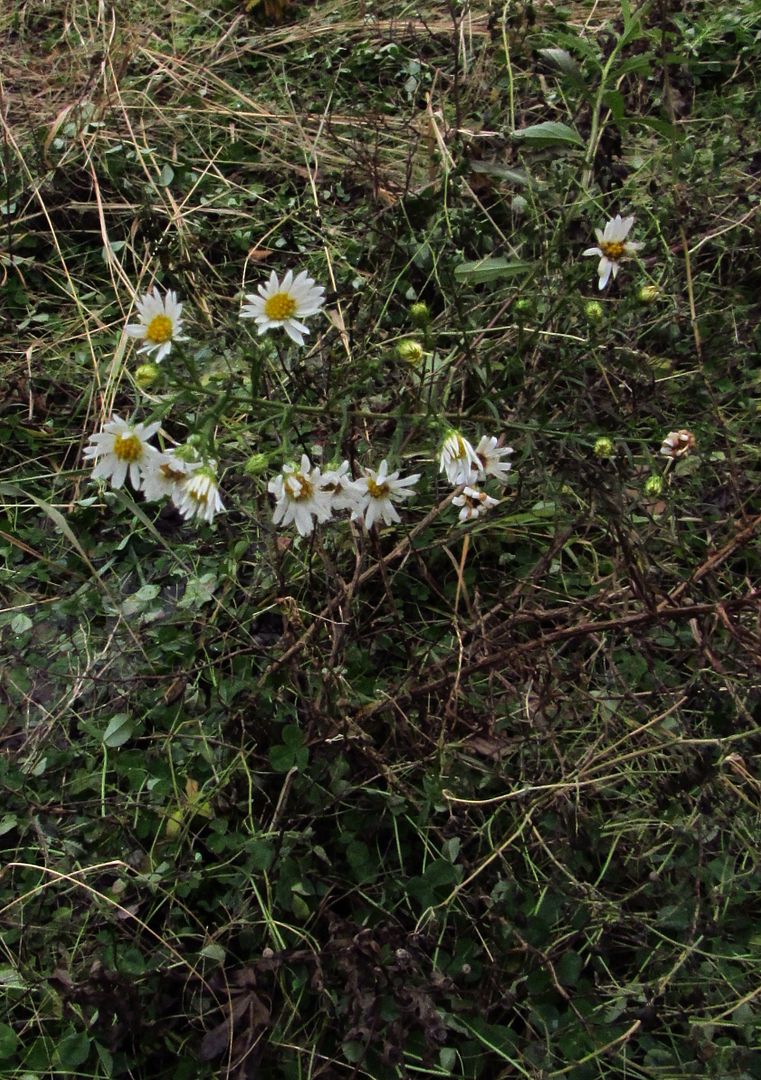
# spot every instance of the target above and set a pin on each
(490, 269)
(549, 133)
(568, 969)
(147, 593)
(119, 730)
(662, 127)
(8, 822)
(292, 753)
(614, 100)
(21, 623)
(503, 172)
(353, 1050)
(167, 176)
(9, 1041)
(214, 951)
(563, 61)
(74, 1050)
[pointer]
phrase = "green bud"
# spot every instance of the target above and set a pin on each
(256, 464)
(604, 447)
(187, 451)
(146, 375)
(420, 315)
(411, 352)
(594, 311)
(653, 486)
(523, 306)
(194, 440)
(648, 293)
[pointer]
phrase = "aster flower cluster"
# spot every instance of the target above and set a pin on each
(122, 449)
(464, 464)
(304, 494)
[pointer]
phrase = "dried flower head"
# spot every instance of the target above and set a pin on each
(677, 444)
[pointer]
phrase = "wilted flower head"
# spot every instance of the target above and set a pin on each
(198, 494)
(159, 323)
(378, 491)
(677, 444)
(300, 497)
(612, 247)
(284, 303)
(473, 503)
(459, 460)
(121, 448)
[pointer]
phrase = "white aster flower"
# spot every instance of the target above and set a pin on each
(378, 492)
(121, 448)
(458, 460)
(164, 473)
(160, 323)
(301, 497)
(198, 494)
(284, 303)
(490, 459)
(473, 503)
(343, 491)
(612, 247)
(678, 444)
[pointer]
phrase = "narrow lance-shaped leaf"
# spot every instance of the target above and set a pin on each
(549, 133)
(490, 269)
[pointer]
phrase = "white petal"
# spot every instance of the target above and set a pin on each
(119, 474)
(293, 333)
(592, 251)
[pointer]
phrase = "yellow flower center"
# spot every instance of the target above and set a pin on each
(612, 249)
(378, 491)
(201, 497)
(280, 306)
(159, 329)
(128, 447)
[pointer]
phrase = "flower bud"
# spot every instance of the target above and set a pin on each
(411, 352)
(146, 375)
(523, 306)
(648, 293)
(256, 464)
(604, 447)
(653, 486)
(594, 311)
(420, 316)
